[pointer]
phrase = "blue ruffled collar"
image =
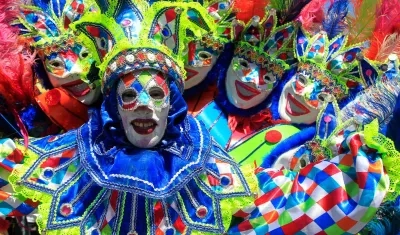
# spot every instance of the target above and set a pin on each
(155, 173)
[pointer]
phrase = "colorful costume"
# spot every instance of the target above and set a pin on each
(66, 78)
(141, 165)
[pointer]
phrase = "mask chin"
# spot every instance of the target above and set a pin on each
(292, 108)
(76, 87)
(241, 94)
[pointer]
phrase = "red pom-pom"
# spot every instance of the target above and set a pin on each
(273, 136)
(53, 97)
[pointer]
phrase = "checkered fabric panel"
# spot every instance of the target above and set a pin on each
(16, 205)
(11, 204)
(328, 197)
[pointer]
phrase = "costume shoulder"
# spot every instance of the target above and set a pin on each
(42, 167)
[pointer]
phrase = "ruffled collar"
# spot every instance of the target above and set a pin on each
(155, 173)
(253, 123)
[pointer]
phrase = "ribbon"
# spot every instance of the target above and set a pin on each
(253, 123)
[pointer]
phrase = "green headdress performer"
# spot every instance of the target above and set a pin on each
(46, 26)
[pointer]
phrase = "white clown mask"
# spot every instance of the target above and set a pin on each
(143, 105)
(305, 93)
(201, 58)
(68, 69)
(248, 83)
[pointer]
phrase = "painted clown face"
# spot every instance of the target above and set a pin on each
(305, 93)
(143, 105)
(248, 83)
(200, 60)
(69, 68)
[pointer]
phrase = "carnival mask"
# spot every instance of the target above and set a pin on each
(303, 96)
(48, 26)
(70, 68)
(248, 83)
(143, 105)
(257, 65)
(326, 69)
(201, 57)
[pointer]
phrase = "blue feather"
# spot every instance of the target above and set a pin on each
(334, 22)
(58, 6)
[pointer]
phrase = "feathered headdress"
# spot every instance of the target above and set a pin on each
(263, 43)
(385, 39)
(45, 24)
(329, 62)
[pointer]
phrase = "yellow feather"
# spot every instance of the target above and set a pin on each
(361, 25)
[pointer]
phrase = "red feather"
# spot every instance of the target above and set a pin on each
(16, 78)
(386, 35)
(246, 9)
(313, 14)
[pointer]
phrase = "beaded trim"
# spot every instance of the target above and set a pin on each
(330, 82)
(246, 51)
(142, 58)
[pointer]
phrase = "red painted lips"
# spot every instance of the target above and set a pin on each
(77, 88)
(144, 126)
(244, 91)
(294, 107)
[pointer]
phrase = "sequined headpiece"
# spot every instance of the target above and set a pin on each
(46, 24)
(329, 61)
(217, 27)
(176, 24)
(263, 43)
(150, 48)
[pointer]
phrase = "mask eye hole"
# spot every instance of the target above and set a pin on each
(323, 97)
(56, 63)
(156, 93)
(204, 55)
(84, 54)
(244, 64)
(129, 96)
(103, 43)
(302, 79)
(269, 78)
(303, 163)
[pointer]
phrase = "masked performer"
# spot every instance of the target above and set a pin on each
(66, 78)
(166, 175)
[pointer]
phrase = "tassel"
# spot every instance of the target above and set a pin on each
(386, 220)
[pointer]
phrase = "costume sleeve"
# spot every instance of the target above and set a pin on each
(328, 197)
(12, 204)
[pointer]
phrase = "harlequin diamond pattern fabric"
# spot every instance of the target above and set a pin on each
(10, 204)
(329, 197)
